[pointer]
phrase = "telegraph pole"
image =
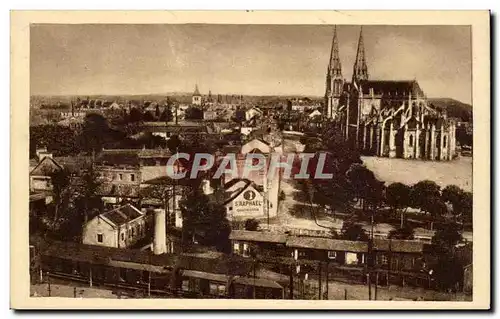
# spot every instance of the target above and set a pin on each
(370, 260)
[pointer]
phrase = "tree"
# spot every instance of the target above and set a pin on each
(353, 231)
(149, 140)
(157, 111)
(424, 194)
(406, 233)
(464, 207)
(135, 115)
(193, 113)
(251, 224)
(60, 180)
(452, 194)
(88, 197)
(436, 207)
(204, 220)
(58, 139)
(148, 117)
(398, 197)
(94, 133)
(446, 237)
(367, 189)
(174, 143)
(166, 115)
(447, 268)
(335, 193)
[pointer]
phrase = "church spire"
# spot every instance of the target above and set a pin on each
(196, 91)
(360, 71)
(335, 67)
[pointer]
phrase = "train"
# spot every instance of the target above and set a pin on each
(141, 274)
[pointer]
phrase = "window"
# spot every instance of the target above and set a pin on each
(120, 176)
(132, 177)
(133, 231)
(123, 236)
(99, 238)
(444, 141)
(236, 248)
(246, 250)
(411, 140)
(383, 260)
(332, 254)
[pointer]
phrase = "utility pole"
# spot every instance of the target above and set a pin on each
(254, 277)
(370, 259)
(327, 271)
(48, 283)
(90, 276)
(319, 281)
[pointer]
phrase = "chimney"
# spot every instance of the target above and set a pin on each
(41, 153)
(160, 239)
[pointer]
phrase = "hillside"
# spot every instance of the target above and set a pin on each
(455, 108)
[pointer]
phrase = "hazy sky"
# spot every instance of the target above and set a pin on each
(241, 59)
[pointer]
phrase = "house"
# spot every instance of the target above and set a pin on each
(314, 114)
(252, 112)
(45, 165)
(246, 130)
(344, 252)
(120, 174)
(120, 228)
(182, 129)
(115, 106)
(205, 283)
(394, 261)
(40, 175)
(243, 241)
(209, 115)
(75, 123)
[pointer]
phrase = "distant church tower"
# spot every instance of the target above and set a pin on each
(360, 70)
(196, 96)
(334, 80)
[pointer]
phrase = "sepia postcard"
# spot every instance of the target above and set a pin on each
(250, 160)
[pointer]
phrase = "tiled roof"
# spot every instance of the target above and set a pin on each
(326, 244)
(228, 265)
(392, 88)
(45, 167)
(205, 275)
(259, 236)
(122, 215)
(259, 282)
(160, 152)
(74, 163)
(177, 129)
(397, 245)
(128, 157)
(120, 190)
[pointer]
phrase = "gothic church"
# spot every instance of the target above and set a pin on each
(385, 118)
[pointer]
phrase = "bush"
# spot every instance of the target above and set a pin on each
(251, 224)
